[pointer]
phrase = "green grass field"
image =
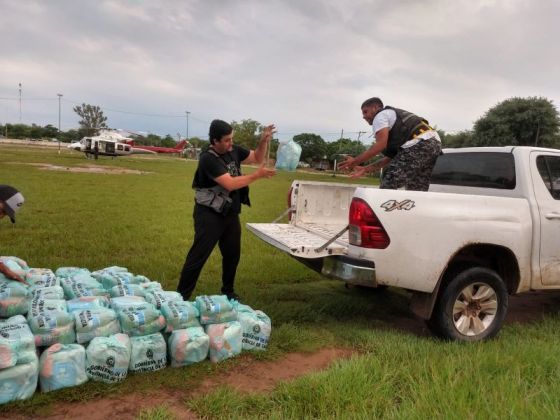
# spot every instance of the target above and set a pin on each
(144, 222)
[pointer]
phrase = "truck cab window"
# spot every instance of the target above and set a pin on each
(475, 169)
(549, 169)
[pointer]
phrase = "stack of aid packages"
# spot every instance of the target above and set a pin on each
(68, 326)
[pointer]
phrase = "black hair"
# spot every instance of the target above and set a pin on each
(372, 101)
(218, 129)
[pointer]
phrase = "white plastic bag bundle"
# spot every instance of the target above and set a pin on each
(19, 382)
(50, 292)
(19, 343)
(140, 319)
(62, 366)
(256, 327)
(180, 315)
(151, 286)
(91, 323)
(107, 358)
(287, 156)
(188, 346)
(8, 352)
(127, 290)
(225, 340)
(65, 272)
(148, 353)
(157, 298)
(82, 285)
(140, 279)
(15, 264)
(22, 264)
(14, 298)
(38, 306)
(87, 302)
(111, 279)
(111, 270)
(215, 309)
(41, 277)
(53, 327)
(125, 301)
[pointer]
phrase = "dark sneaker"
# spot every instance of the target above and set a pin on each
(233, 296)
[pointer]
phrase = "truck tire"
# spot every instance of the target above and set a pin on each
(472, 307)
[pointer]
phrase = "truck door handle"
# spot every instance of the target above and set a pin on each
(553, 215)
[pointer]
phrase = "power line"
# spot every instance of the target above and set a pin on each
(28, 99)
(190, 116)
(143, 114)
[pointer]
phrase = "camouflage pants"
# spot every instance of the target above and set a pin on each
(412, 168)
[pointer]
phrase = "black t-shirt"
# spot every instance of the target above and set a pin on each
(211, 167)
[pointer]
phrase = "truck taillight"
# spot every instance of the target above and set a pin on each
(365, 229)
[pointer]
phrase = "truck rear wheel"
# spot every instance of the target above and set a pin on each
(472, 306)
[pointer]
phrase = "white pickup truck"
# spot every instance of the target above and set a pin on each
(488, 227)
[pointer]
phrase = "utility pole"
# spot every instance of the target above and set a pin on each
(20, 103)
(187, 113)
(58, 137)
(360, 134)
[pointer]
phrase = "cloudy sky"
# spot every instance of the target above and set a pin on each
(304, 65)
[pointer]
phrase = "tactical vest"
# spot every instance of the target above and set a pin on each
(243, 192)
(406, 127)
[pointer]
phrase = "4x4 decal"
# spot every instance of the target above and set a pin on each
(395, 205)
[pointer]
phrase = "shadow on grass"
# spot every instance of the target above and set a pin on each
(327, 302)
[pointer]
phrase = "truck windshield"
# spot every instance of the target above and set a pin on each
(475, 169)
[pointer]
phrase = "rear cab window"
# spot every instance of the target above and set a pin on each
(476, 169)
(549, 169)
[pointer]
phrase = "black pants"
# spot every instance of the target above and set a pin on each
(210, 229)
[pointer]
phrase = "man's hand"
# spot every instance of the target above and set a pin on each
(9, 274)
(349, 163)
(267, 133)
(264, 172)
(13, 276)
(359, 171)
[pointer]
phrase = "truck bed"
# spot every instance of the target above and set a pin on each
(321, 212)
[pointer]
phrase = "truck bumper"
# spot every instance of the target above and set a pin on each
(350, 270)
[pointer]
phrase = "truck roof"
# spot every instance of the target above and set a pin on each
(498, 149)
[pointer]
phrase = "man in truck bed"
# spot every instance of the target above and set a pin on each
(409, 145)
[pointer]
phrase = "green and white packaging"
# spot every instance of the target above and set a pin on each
(19, 382)
(215, 309)
(140, 319)
(157, 298)
(188, 346)
(98, 322)
(62, 366)
(148, 353)
(225, 340)
(18, 341)
(180, 315)
(14, 298)
(107, 358)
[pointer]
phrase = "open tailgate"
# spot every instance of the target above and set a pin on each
(305, 241)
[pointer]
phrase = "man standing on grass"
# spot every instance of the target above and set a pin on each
(10, 202)
(409, 145)
(220, 189)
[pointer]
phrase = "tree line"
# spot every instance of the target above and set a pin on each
(532, 121)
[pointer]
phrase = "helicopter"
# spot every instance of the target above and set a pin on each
(107, 143)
